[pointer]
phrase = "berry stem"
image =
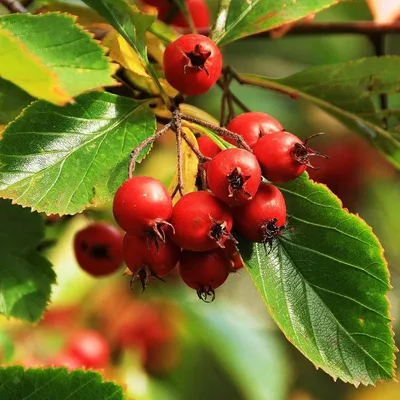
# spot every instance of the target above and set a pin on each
(177, 122)
(13, 6)
(220, 130)
(135, 153)
(235, 99)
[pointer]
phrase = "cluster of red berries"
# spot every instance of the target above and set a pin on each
(197, 233)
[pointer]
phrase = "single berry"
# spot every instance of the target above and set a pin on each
(142, 205)
(207, 147)
(192, 64)
(283, 156)
(169, 12)
(234, 176)
(252, 126)
(204, 271)
(263, 218)
(147, 257)
(98, 249)
(235, 259)
(90, 347)
(201, 221)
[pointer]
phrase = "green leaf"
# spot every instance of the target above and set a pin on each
(51, 64)
(132, 25)
(12, 101)
(6, 348)
(61, 160)
(55, 383)
(325, 282)
(257, 366)
(26, 277)
(237, 18)
(347, 91)
(128, 21)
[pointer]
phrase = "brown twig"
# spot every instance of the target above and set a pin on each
(219, 130)
(177, 122)
(13, 6)
(135, 153)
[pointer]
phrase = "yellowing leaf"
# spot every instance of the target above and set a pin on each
(384, 11)
(189, 167)
(123, 53)
(51, 64)
(27, 71)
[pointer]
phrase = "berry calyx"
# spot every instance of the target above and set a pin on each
(234, 176)
(263, 218)
(142, 205)
(98, 249)
(201, 222)
(204, 271)
(192, 64)
(252, 126)
(283, 156)
(147, 257)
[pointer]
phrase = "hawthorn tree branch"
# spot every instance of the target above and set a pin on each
(13, 6)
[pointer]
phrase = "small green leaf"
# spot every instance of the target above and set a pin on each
(237, 18)
(61, 160)
(26, 277)
(128, 21)
(325, 282)
(55, 383)
(12, 101)
(51, 64)
(347, 91)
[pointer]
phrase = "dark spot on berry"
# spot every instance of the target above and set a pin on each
(84, 246)
(197, 58)
(99, 252)
(270, 230)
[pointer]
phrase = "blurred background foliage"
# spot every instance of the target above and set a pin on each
(165, 343)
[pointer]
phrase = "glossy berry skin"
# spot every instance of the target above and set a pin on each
(90, 347)
(142, 205)
(204, 271)
(98, 249)
(208, 148)
(234, 176)
(145, 257)
(264, 217)
(281, 156)
(252, 126)
(201, 222)
(192, 64)
(197, 9)
(236, 261)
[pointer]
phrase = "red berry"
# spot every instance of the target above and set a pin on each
(142, 205)
(252, 126)
(263, 218)
(192, 64)
(283, 156)
(201, 222)
(98, 249)
(234, 176)
(146, 257)
(170, 13)
(198, 10)
(90, 347)
(234, 256)
(204, 271)
(208, 147)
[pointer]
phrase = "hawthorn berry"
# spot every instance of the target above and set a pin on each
(234, 176)
(170, 13)
(201, 222)
(204, 271)
(208, 148)
(234, 257)
(90, 347)
(263, 218)
(146, 257)
(142, 205)
(252, 126)
(192, 64)
(283, 156)
(98, 249)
